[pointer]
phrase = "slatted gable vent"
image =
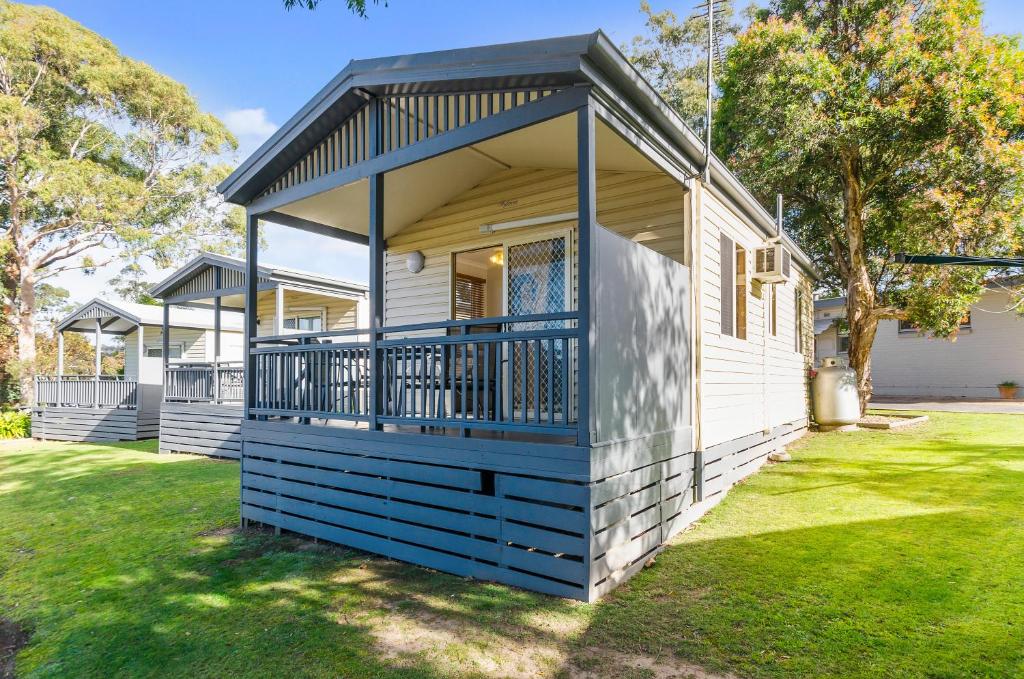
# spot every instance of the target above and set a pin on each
(727, 256)
(469, 297)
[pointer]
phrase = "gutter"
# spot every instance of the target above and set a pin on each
(619, 71)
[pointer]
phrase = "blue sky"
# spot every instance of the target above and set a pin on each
(254, 64)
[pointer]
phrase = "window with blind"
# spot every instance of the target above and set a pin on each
(733, 282)
(741, 292)
(727, 283)
(470, 295)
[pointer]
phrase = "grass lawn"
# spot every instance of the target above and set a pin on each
(871, 554)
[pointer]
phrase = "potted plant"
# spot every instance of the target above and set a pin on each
(1008, 389)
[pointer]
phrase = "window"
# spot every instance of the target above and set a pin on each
(470, 297)
(741, 292)
(842, 336)
(733, 288)
(173, 351)
(773, 312)
(304, 321)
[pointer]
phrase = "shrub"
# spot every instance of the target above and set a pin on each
(15, 424)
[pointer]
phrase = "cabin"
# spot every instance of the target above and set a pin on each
(201, 411)
(908, 363)
(125, 407)
(582, 330)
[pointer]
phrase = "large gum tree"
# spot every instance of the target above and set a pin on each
(104, 162)
(890, 126)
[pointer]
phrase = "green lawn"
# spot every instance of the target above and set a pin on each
(871, 554)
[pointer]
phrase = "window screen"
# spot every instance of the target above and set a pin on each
(174, 351)
(312, 323)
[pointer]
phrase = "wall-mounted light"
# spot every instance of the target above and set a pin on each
(414, 261)
(498, 258)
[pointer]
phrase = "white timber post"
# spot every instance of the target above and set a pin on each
(279, 310)
(216, 335)
(96, 377)
(60, 369)
(140, 353)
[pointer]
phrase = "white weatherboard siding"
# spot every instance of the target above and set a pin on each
(644, 207)
(756, 383)
(194, 349)
(339, 313)
(990, 352)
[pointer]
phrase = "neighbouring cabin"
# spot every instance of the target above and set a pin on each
(906, 362)
(575, 342)
(201, 410)
(125, 407)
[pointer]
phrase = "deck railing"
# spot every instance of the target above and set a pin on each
(212, 382)
(86, 391)
(513, 373)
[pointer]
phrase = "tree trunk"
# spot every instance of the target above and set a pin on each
(860, 293)
(25, 311)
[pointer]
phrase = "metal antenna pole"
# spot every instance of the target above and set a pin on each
(707, 120)
(778, 214)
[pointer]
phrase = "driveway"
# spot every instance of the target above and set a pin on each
(951, 405)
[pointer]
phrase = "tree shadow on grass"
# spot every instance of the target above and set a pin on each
(131, 566)
(251, 604)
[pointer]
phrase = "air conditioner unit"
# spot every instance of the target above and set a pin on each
(772, 263)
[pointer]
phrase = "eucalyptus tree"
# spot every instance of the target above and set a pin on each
(672, 54)
(104, 162)
(890, 126)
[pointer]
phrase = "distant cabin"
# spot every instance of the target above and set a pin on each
(988, 350)
(201, 412)
(101, 407)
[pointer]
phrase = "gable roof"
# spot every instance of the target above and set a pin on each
(121, 317)
(267, 272)
(590, 59)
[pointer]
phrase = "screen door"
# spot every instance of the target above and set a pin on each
(537, 282)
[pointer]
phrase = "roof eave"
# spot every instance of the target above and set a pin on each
(538, 58)
(614, 65)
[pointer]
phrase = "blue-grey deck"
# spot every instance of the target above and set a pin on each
(201, 429)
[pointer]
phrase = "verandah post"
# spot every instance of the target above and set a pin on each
(165, 339)
(140, 352)
(99, 364)
(60, 370)
(376, 233)
(252, 242)
(216, 334)
(586, 179)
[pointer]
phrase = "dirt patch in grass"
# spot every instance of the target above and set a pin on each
(600, 664)
(12, 638)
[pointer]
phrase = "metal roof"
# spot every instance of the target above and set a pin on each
(829, 302)
(124, 316)
(271, 272)
(579, 59)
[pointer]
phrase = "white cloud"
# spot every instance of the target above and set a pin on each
(250, 122)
